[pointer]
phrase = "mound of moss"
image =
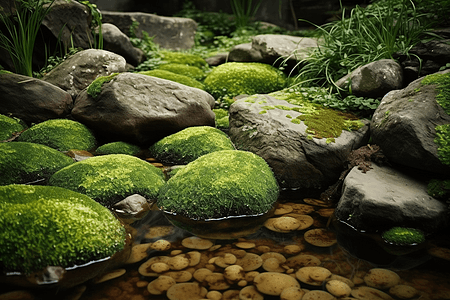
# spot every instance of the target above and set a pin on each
(221, 184)
(183, 58)
(110, 178)
(9, 126)
(189, 144)
(22, 162)
(118, 148)
(186, 70)
(174, 77)
(95, 88)
(403, 236)
(60, 134)
(232, 79)
(51, 226)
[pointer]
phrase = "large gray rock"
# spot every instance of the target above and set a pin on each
(296, 160)
(32, 100)
(79, 70)
(244, 53)
(375, 79)
(118, 42)
(404, 125)
(143, 109)
(168, 32)
(385, 197)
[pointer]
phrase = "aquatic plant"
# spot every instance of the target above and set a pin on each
(403, 236)
(22, 162)
(174, 77)
(189, 144)
(60, 134)
(110, 178)
(221, 184)
(51, 226)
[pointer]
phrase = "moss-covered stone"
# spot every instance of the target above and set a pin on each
(186, 70)
(232, 79)
(60, 134)
(221, 184)
(189, 144)
(174, 77)
(118, 148)
(184, 59)
(403, 236)
(22, 162)
(51, 226)
(9, 126)
(95, 88)
(110, 178)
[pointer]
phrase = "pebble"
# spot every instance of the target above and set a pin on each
(271, 283)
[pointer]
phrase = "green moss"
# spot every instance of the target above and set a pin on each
(220, 113)
(443, 141)
(231, 79)
(95, 88)
(222, 119)
(184, 58)
(118, 148)
(403, 236)
(221, 184)
(5, 72)
(110, 178)
(439, 189)
(189, 144)
(263, 112)
(9, 126)
(174, 77)
(189, 71)
(443, 85)
(22, 162)
(60, 134)
(50, 226)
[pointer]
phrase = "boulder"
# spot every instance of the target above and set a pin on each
(32, 100)
(22, 162)
(168, 32)
(142, 109)
(118, 42)
(189, 144)
(301, 156)
(404, 125)
(57, 231)
(374, 80)
(118, 148)
(109, 179)
(385, 197)
(60, 134)
(79, 70)
(244, 53)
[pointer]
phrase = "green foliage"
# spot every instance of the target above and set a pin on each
(189, 144)
(244, 11)
(96, 23)
(53, 61)
(22, 162)
(110, 178)
(367, 35)
(118, 148)
(439, 189)
(231, 79)
(189, 71)
(443, 141)
(403, 236)
(50, 226)
(9, 126)
(95, 88)
(221, 118)
(60, 134)
(221, 184)
(174, 77)
(22, 29)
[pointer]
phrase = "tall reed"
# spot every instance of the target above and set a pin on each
(244, 11)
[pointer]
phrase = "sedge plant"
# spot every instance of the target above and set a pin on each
(244, 11)
(22, 28)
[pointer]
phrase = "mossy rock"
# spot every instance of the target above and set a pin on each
(60, 134)
(184, 59)
(95, 88)
(174, 77)
(9, 126)
(51, 226)
(189, 144)
(22, 162)
(232, 79)
(110, 178)
(186, 70)
(118, 148)
(219, 185)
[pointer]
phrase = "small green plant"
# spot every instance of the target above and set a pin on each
(244, 11)
(22, 28)
(96, 22)
(403, 236)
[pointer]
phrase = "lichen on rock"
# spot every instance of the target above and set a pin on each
(51, 226)
(111, 178)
